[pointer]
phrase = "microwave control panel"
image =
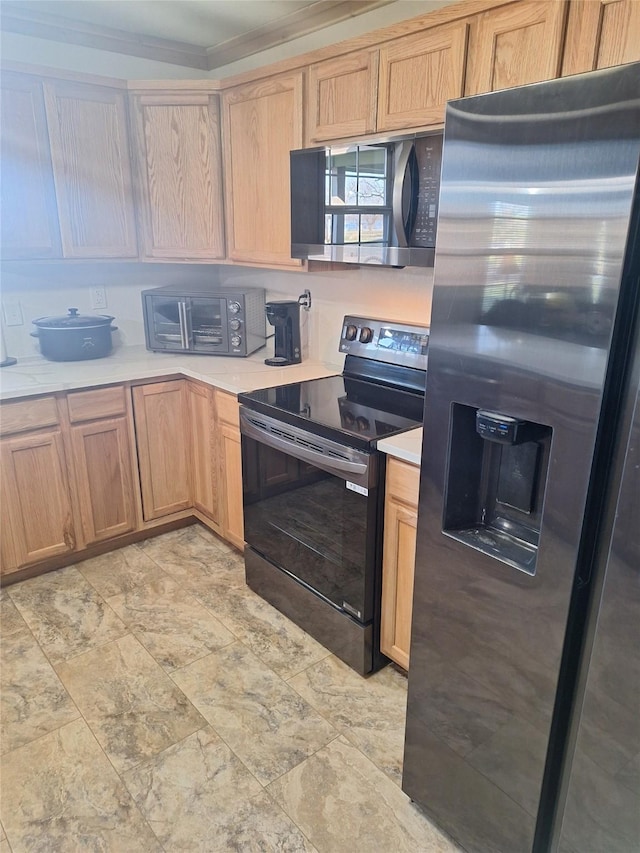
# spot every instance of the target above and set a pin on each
(428, 150)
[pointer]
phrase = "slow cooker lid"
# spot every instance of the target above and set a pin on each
(73, 320)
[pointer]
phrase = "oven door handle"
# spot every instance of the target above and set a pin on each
(358, 472)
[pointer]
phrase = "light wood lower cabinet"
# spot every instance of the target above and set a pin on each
(37, 514)
(230, 468)
(399, 552)
(204, 449)
(164, 447)
(100, 439)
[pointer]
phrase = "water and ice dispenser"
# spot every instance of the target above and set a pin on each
(495, 482)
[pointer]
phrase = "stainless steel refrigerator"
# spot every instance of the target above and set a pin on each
(523, 719)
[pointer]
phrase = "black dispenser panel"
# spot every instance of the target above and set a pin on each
(496, 476)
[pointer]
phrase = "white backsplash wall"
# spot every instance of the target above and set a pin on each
(45, 289)
(394, 294)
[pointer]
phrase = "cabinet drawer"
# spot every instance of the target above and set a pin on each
(403, 481)
(97, 403)
(228, 410)
(27, 415)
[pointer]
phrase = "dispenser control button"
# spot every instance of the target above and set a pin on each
(235, 324)
(366, 335)
(351, 333)
(234, 307)
(497, 427)
(236, 340)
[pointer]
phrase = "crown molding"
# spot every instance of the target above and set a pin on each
(18, 18)
(322, 13)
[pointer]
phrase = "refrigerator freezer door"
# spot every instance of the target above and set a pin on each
(537, 189)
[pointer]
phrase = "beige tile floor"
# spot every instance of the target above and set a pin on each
(152, 702)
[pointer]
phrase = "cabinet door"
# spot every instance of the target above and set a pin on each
(104, 478)
(419, 74)
(178, 148)
(91, 167)
(398, 559)
(263, 122)
(203, 448)
(29, 214)
(232, 518)
(515, 44)
(601, 33)
(162, 435)
(341, 97)
(36, 502)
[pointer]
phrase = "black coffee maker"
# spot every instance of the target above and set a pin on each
(285, 318)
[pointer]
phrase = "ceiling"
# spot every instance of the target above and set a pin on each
(203, 34)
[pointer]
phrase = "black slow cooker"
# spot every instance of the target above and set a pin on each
(74, 337)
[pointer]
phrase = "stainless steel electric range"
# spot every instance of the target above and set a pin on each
(313, 484)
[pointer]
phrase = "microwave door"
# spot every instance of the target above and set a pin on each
(208, 325)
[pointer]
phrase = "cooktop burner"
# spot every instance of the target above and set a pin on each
(380, 393)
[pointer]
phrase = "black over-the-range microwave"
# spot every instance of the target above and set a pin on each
(367, 202)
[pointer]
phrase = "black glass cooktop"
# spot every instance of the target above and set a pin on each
(354, 411)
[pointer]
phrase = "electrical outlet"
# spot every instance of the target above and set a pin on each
(12, 312)
(98, 297)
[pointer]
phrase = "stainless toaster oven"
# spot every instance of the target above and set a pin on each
(206, 320)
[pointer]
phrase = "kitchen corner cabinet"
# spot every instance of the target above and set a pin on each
(177, 145)
(204, 461)
(262, 122)
(29, 214)
(36, 509)
(399, 551)
(101, 451)
(89, 141)
(515, 44)
(163, 442)
(341, 97)
(230, 468)
(601, 33)
(419, 74)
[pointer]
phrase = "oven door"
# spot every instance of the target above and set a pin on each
(311, 509)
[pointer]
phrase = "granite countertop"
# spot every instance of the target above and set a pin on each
(36, 375)
(406, 446)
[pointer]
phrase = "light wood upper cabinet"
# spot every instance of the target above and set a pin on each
(262, 123)
(204, 461)
(515, 44)
(419, 74)
(164, 447)
(29, 214)
(179, 169)
(37, 515)
(601, 33)
(91, 166)
(399, 552)
(230, 468)
(341, 97)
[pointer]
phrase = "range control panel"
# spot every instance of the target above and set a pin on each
(385, 340)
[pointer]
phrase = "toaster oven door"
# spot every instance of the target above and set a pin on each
(186, 324)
